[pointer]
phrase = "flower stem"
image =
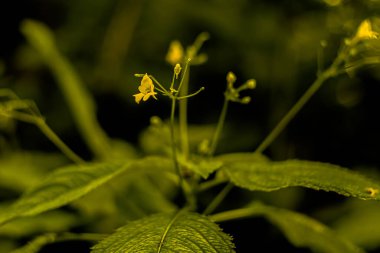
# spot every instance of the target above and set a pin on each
(183, 89)
(332, 71)
(219, 127)
(295, 109)
(187, 192)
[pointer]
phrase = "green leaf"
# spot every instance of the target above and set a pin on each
(172, 232)
(202, 166)
(301, 230)
(72, 182)
(33, 166)
(54, 221)
(271, 176)
(360, 223)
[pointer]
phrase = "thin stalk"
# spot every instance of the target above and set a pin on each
(185, 188)
(332, 71)
(218, 199)
(49, 133)
(219, 127)
(235, 214)
(210, 184)
(54, 138)
(173, 142)
(292, 113)
(84, 236)
(80, 101)
(183, 89)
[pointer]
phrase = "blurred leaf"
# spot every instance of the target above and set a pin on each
(301, 230)
(130, 196)
(156, 138)
(171, 232)
(31, 165)
(304, 231)
(72, 182)
(79, 100)
(360, 224)
(271, 176)
(201, 166)
(55, 221)
(239, 157)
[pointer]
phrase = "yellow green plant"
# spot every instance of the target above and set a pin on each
(153, 200)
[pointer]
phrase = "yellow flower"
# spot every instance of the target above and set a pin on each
(175, 53)
(365, 31)
(146, 89)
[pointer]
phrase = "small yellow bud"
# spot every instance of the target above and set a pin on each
(245, 100)
(177, 70)
(155, 121)
(231, 78)
(251, 84)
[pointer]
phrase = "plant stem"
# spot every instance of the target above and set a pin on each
(84, 236)
(49, 133)
(219, 127)
(218, 199)
(182, 118)
(79, 100)
(235, 214)
(53, 137)
(292, 113)
(332, 71)
(173, 142)
(210, 183)
(185, 188)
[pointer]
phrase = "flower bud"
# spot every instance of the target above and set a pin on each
(251, 84)
(245, 100)
(177, 70)
(231, 78)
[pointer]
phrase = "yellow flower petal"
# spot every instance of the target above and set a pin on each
(138, 97)
(146, 97)
(146, 82)
(365, 31)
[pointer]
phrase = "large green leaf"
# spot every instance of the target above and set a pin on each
(270, 176)
(168, 232)
(72, 182)
(301, 230)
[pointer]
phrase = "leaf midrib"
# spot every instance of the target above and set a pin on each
(164, 235)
